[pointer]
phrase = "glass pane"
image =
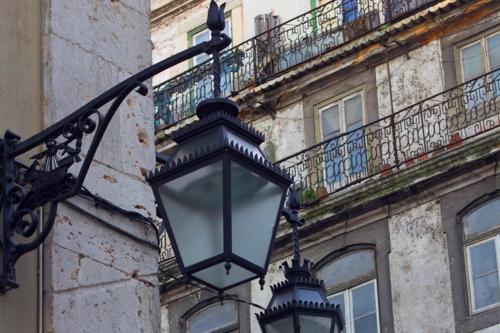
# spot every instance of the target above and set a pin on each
(482, 219)
(314, 324)
(216, 275)
(195, 144)
(310, 295)
(483, 258)
(348, 268)
(255, 203)
(353, 108)
(486, 290)
(200, 38)
(213, 318)
(194, 207)
(283, 298)
(280, 326)
(338, 299)
(366, 324)
(330, 124)
(493, 44)
(363, 300)
(472, 61)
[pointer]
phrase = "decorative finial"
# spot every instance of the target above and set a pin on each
(215, 19)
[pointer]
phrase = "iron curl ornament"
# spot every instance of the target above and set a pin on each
(58, 169)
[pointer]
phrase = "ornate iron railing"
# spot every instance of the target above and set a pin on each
(438, 123)
(416, 133)
(275, 51)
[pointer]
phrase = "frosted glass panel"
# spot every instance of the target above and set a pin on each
(483, 218)
(194, 206)
(279, 326)
(255, 205)
(195, 144)
(214, 317)
(314, 324)
(252, 148)
(310, 295)
(348, 268)
(216, 275)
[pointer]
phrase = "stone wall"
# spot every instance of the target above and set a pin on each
(20, 111)
(101, 267)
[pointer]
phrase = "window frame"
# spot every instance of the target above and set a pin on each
(348, 287)
(347, 295)
(468, 243)
(204, 305)
(320, 107)
(478, 38)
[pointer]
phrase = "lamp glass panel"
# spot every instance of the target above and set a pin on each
(282, 297)
(315, 324)
(196, 144)
(216, 275)
(281, 326)
(255, 203)
(247, 145)
(310, 295)
(194, 207)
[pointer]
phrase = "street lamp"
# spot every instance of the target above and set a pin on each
(220, 198)
(299, 304)
(56, 174)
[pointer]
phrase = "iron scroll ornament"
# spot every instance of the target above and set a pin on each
(50, 178)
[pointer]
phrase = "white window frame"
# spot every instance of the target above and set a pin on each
(470, 282)
(485, 53)
(340, 101)
(348, 304)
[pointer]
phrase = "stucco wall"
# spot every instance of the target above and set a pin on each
(20, 111)
(420, 273)
(419, 72)
(285, 131)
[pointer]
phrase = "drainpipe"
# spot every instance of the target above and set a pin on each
(40, 284)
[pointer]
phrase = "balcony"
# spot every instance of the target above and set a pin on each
(415, 134)
(427, 129)
(276, 51)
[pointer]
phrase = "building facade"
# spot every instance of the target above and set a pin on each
(386, 112)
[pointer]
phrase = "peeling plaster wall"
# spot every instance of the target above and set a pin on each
(420, 273)
(99, 279)
(491, 329)
(285, 131)
(171, 34)
(421, 74)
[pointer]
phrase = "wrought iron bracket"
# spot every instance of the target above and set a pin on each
(55, 173)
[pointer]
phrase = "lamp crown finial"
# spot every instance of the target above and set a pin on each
(215, 19)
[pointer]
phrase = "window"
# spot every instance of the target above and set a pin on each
(478, 58)
(202, 34)
(214, 318)
(481, 233)
(350, 280)
(341, 122)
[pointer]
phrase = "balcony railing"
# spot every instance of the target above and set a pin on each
(277, 50)
(416, 133)
(413, 134)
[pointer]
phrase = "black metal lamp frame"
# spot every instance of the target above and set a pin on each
(48, 180)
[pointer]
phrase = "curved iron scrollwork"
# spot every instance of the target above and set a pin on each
(53, 175)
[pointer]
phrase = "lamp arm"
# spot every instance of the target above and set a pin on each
(48, 179)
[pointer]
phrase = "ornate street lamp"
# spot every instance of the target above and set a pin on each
(299, 304)
(56, 174)
(219, 197)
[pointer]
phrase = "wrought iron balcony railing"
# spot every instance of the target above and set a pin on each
(276, 51)
(416, 133)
